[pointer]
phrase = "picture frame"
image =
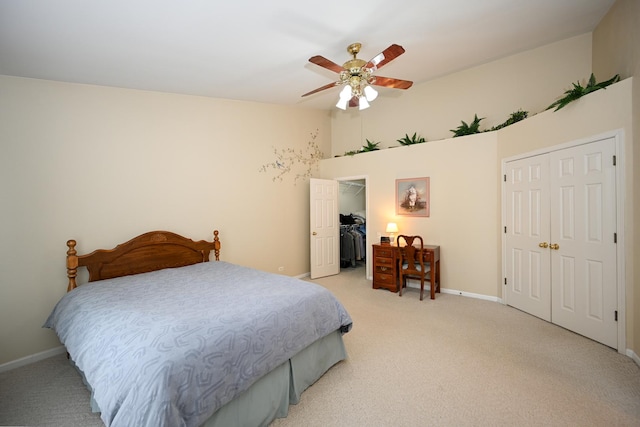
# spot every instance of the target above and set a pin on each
(412, 197)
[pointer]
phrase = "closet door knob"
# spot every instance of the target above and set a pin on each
(543, 245)
(314, 233)
(554, 246)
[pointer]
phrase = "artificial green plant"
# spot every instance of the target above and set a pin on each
(415, 139)
(468, 129)
(578, 91)
(515, 117)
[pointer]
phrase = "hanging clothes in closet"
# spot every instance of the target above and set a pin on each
(352, 241)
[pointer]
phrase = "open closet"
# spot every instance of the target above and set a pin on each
(353, 218)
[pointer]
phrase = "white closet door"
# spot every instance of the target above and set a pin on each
(527, 221)
(560, 239)
(583, 265)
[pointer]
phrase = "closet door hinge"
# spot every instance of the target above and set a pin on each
(615, 237)
(614, 160)
(505, 281)
(616, 315)
(505, 229)
(505, 177)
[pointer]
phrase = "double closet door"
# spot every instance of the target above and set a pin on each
(560, 230)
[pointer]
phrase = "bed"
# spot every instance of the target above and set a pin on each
(164, 337)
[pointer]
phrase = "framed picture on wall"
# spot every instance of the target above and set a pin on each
(412, 197)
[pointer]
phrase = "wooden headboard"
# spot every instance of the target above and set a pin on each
(151, 251)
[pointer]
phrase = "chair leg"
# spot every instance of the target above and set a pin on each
(421, 288)
(401, 285)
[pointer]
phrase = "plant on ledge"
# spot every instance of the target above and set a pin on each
(514, 118)
(415, 139)
(370, 146)
(578, 91)
(468, 129)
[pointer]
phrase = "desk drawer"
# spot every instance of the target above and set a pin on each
(383, 252)
(386, 262)
(383, 268)
(386, 278)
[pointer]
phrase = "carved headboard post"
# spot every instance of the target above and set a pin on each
(72, 264)
(216, 245)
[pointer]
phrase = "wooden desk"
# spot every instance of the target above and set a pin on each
(386, 273)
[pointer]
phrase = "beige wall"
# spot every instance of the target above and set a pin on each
(616, 51)
(529, 81)
(466, 187)
(462, 228)
(463, 203)
(101, 165)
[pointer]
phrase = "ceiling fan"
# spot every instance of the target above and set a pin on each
(357, 76)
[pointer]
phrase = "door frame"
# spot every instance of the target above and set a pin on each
(618, 137)
(369, 252)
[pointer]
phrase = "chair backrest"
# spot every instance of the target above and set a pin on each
(408, 254)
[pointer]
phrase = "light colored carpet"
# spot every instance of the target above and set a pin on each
(46, 393)
(457, 361)
(454, 361)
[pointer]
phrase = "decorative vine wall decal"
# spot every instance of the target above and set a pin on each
(290, 160)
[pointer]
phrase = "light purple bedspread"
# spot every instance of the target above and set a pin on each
(169, 348)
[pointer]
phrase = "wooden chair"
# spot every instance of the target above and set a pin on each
(412, 263)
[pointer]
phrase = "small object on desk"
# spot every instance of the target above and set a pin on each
(385, 240)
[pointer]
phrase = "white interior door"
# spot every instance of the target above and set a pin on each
(560, 250)
(324, 228)
(583, 264)
(527, 228)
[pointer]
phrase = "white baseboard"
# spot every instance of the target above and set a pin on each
(633, 356)
(469, 295)
(32, 358)
(416, 285)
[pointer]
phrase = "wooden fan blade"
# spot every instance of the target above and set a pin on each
(393, 83)
(384, 57)
(325, 63)
(354, 102)
(329, 86)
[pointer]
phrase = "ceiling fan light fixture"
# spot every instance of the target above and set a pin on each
(370, 93)
(357, 76)
(346, 93)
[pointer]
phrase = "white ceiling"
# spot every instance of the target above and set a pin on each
(258, 50)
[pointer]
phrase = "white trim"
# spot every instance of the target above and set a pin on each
(415, 285)
(618, 137)
(633, 356)
(27, 360)
(595, 138)
(620, 246)
(470, 295)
